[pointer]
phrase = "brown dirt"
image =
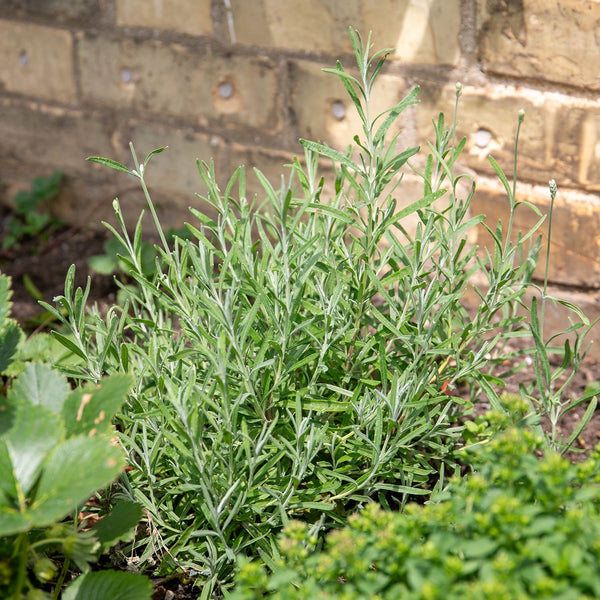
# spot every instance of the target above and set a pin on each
(46, 264)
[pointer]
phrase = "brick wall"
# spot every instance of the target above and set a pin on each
(240, 81)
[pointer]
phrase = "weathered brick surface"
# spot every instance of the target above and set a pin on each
(37, 61)
(425, 32)
(174, 169)
(42, 136)
(170, 79)
(488, 119)
(589, 151)
(322, 109)
(184, 16)
(421, 32)
(241, 81)
(310, 25)
(575, 243)
(555, 41)
(57, 10)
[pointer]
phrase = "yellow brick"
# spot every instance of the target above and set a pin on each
(184, 16)
(575, 243)
(58, 10)
(421, 31)
(488, 119)
(323, 109)
(37, 61)
(313, 25)
(53, 137)
(589, 154)
(175, 169)
(171, 79)
(556, 41)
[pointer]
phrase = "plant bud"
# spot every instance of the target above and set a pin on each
(45, 570)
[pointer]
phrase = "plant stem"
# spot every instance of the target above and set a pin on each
(61, 579)
(140, 172)
(22, 547)
(553, 192)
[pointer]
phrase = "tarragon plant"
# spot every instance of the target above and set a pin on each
(299, 357)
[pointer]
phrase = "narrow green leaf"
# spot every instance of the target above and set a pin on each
(328, 152)
(108, 162)
(502, 177)
(340, 215)
(589, 413)
(418, 205)
(67, 343)
(154, 152)
(394, 112)
(541, 353)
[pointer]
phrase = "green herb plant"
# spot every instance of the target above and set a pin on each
(549, 389)
(517, 527)
(111, 263)
(32, 217)
(298, 357)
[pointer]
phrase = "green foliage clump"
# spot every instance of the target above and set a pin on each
(32, 218)
(519, 526)
(56, 450)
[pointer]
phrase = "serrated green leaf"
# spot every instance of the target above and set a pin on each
(90, 410)
(10, 337)
(109, 585)
(34, 432)
(5, 295)
(118, 525)
(8, 483)
(72, 472)
(40, 385)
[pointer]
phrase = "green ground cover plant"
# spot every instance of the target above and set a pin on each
(298, 357)
(32, 217)
(518, 526)
(55, 452)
